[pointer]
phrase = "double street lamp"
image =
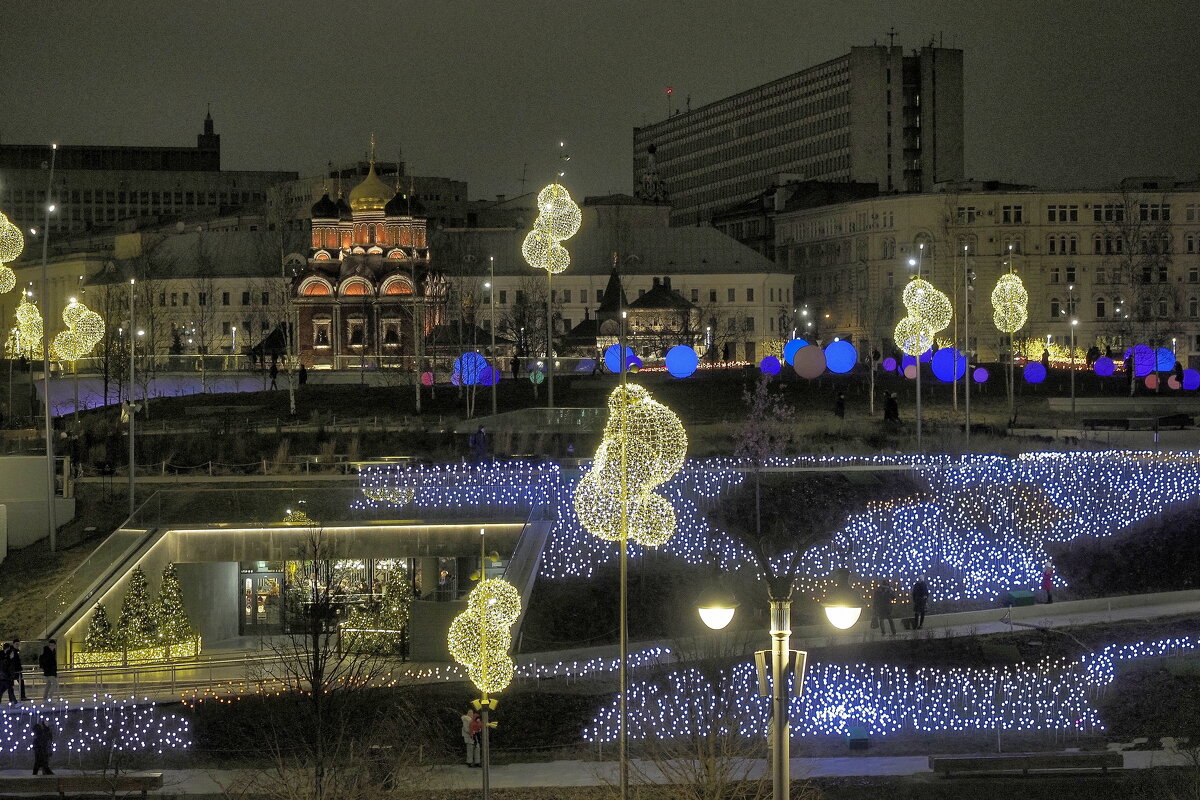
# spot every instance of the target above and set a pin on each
(842, 608)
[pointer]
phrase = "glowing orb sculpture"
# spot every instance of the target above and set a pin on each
(1191, 379)
(888, 365)
(809, 362)
(682, 361)
(924, 301)
(980, 375)
(28, 341)
(1164, 359)
(85, 329)
(1010, 304)
(790, 349)
(770, 365)
(1104, 366)
(840, 357)
(1035, 372)
(481, 636)
(470, 368)
(12, 241)
(612, 357)
(558, 218)
(913, 335)
(1152, 381)
(949, 365)
(643, 446)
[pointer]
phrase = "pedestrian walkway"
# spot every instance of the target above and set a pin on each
(198, 783)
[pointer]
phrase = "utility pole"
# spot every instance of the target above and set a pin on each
(50, 483)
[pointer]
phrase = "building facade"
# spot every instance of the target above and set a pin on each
(1117, 268)
(873, 115)
(97, 187)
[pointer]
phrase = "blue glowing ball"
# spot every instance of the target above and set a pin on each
(949, 365)
(682, 361)
(612, 357)
(889, 364)
(489, 376)
(455, 379)
(1035, 372)
(1143, 360)
(840, 357)
(769, 365)
(1165, 359)
(1104, 366)
(789, 350)
(1191, 379)
(470, 367)
(632, 362)
(906, 362)
(980, 375)
(927, 356)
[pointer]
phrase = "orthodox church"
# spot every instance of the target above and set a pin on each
(366, 294)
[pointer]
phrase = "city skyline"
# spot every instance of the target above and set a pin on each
(479, 91)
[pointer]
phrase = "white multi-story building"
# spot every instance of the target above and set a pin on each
(1124, 264)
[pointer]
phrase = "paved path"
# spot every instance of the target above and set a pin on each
(201, 783)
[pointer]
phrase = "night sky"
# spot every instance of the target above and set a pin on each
(1060, 94)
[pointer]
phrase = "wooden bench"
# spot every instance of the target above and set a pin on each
(1025, 763)
(81, 784)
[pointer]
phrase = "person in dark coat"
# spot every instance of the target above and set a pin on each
(6, 683)
(303, 375)
(920, 601)
(274, 374)
(479, 445)
(43, 738)
(1046, 359)
(839, 407)
(516, 367)
(48, 661)
(16, 671)
(891, 408)
(881, 603)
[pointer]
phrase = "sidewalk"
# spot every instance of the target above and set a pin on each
(194, 783)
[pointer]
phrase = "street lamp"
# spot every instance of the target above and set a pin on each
(491, 287)
(843, 607)
(716, 607)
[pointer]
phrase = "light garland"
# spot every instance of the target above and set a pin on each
(558, 218)
(102, 724)
(926, 302)
(1052, 694)
(1010, 303)
(27, 338)
(12, 241)
(643, 446)
(480, 638)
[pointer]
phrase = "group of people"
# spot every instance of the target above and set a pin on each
(472, 735)
(883, 597)
(12, 671)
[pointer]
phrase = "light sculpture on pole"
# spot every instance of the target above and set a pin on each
(29, 329)
(1010, 312)
(12, 243)
(85, 329)
(558, 219)
(480, 639)
(929, 311)
(643, 446)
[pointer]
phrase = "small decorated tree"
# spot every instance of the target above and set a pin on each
(170, 617)
(382, 624)
(99, 636)
(135, 626)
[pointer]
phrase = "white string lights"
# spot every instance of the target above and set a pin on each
(26, 337)
(558, 219)
(643, 447)
(12, 243)
(1053, 694)
(85, 329)
(104, 723)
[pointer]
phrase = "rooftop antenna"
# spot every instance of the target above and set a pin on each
(892, 37)
(524, 171)
(670, 92)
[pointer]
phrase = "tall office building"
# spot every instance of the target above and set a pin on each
(874, 115)
(98, 186)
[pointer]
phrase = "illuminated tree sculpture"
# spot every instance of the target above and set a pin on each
(170, 616)
(99, 634)
(480, 637)
(135, 626)
(642, 448)
(1010, 304)
(26, 339)
(558, 219)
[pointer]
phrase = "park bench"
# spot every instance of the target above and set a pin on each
(73, 785)
(1025, 763)
(1179, 421)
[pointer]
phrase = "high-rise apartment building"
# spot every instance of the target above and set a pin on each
(874, 115)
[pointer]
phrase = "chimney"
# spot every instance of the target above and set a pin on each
(500, 198)
(655, 283)
(667, 283)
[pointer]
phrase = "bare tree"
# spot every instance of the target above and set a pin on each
(203, 325)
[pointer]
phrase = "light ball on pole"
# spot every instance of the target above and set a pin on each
(716, 607)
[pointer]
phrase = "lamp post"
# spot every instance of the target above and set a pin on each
(842, 608)
(132, 395)
(968, 287)
(50, 208)
(491, 287)
(915, 263)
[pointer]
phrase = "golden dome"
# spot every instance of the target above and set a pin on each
(370, 195)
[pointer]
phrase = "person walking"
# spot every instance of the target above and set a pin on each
(839, 407)
(881, 604)
(920, 600)
(274, 373)
(6, 681)
(303, 375)
(1046, 358)
(43, 738)
(471, 726)
(1048, 582)
(17, 669)
(479, 445)
(48, 661)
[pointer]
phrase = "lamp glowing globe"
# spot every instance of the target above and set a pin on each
(842, 617)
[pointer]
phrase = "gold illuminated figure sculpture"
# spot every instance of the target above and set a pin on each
(480, 637)
(558, 219)
(1010, 304)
